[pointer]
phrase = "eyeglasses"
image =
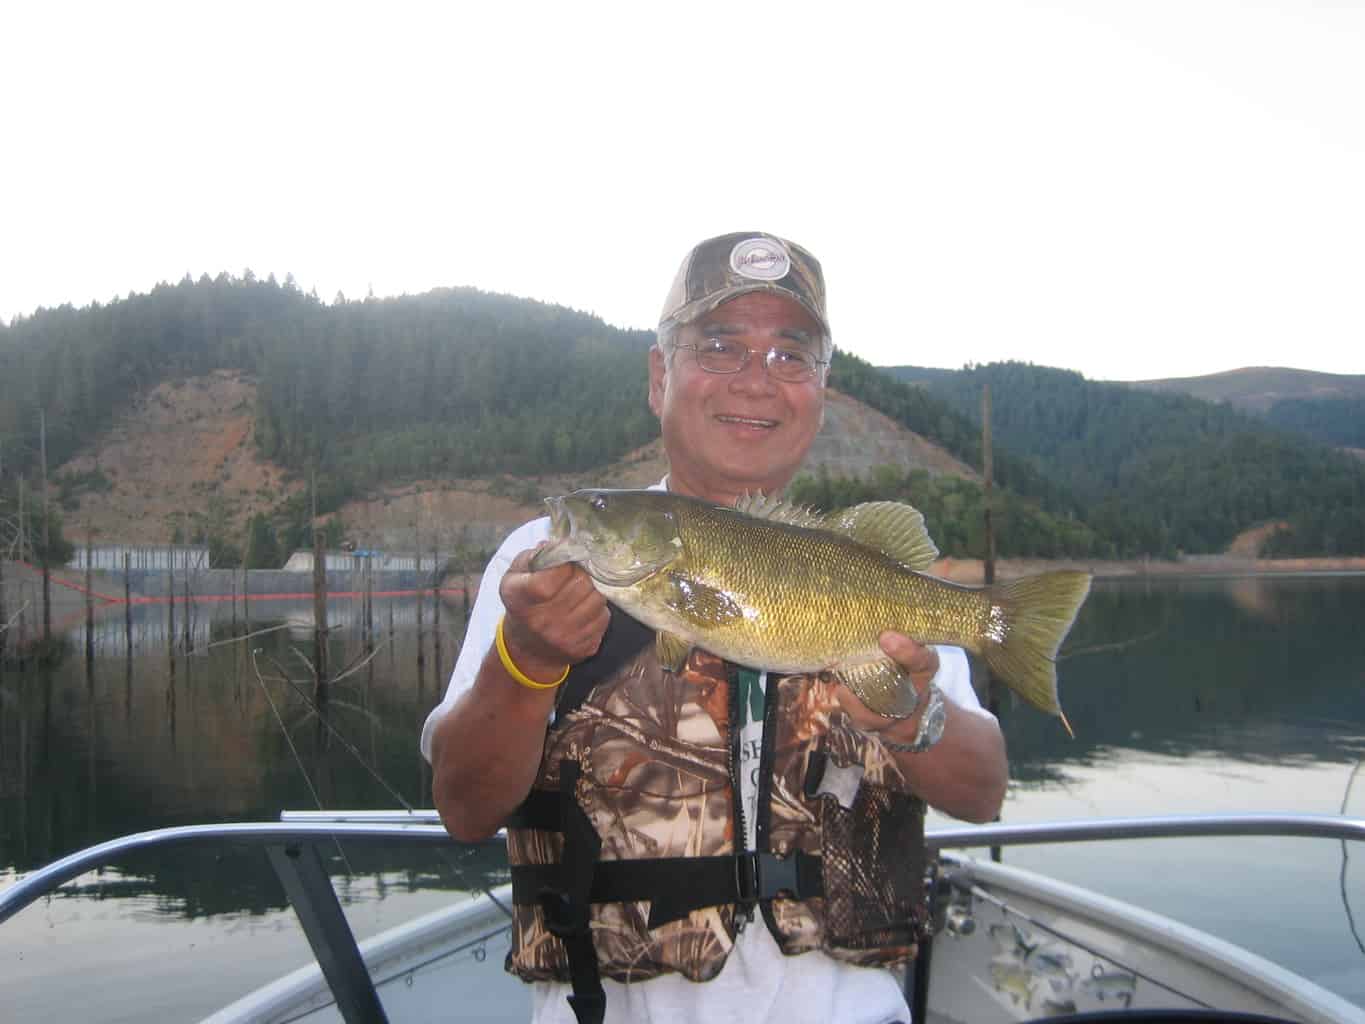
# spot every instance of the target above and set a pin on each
(724, 355)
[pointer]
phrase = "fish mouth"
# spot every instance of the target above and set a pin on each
(559, 549)
(561, 519)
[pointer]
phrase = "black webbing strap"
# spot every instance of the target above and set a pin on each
(675, 886)
(564, 898)
(624, 639)
(540, 810)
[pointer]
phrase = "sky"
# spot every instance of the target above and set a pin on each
(1131, 190)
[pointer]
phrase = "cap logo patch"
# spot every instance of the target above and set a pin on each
(763, 259)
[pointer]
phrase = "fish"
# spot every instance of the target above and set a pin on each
(773, 585)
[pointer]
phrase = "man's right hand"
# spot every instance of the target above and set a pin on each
(554, 617)
(487, 748)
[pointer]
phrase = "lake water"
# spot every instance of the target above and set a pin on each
(1186, 696)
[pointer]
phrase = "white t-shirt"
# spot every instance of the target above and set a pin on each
(758, 982)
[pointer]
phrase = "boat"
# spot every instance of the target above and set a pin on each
(1010, 944)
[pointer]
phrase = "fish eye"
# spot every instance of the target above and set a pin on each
(599, 503)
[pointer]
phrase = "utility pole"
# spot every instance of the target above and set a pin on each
(47, 535)
(4, 623)
(417, 549)
(319, 600)
(319, 620)
(987, 472)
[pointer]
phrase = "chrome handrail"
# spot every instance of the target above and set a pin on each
(39, 883)
(365, 817)
(413, 827)
(1311, 826)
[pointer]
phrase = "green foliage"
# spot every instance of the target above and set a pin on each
(70, 486)
(24, 540)
(948, 425)
(451, 383)
(262, 546)
(1160, 473)
(1335, 421)
(333, 532)
(954, 510)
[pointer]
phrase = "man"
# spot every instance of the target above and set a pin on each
(635, 792)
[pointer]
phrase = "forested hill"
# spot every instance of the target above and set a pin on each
(1194, 473)
(451, 384)
(1328, 407)
(455, 381)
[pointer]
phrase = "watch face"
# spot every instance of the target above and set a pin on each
(931, 725)
(934, 718)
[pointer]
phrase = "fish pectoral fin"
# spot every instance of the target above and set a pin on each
(892, 527)
(881, 685)
(700, 604)
(672, 650)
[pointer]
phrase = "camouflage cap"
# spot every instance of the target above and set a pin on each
(720, 268)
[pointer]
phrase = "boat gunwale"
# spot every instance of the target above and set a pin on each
(1305, 999)
(422, 828)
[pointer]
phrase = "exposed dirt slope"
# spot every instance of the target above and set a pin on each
(187, 445)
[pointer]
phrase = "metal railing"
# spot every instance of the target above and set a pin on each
(292, 848)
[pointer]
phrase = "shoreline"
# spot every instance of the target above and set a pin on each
(972, 570)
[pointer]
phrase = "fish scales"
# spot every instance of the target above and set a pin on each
(814, 599)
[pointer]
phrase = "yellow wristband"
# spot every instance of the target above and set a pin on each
(517, 673)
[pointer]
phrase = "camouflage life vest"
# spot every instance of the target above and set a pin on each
(629, 850)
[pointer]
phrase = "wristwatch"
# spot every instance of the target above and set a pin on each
(930, 726)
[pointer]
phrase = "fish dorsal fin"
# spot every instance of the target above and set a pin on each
(892, 527)
(777, 510)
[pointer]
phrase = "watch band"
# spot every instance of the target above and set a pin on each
(930, 726)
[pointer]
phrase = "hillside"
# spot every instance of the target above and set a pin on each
(1258, 389)
(188, 451)
(1326, 407)
(1193, 474)
(241, 412)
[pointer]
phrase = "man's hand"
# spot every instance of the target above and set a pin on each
(965, 773)
(917, 661)
(555, 617)
(487, 748)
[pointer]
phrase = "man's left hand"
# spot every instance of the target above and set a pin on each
(916, 660)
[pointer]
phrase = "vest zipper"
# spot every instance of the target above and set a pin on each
(763, 809)
(744, 913)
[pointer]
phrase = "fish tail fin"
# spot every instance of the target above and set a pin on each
(1029, 618)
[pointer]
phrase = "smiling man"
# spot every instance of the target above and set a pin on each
(761, 835)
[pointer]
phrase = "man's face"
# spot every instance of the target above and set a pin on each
(730, 433)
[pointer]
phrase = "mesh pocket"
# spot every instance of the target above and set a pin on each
(873, 860)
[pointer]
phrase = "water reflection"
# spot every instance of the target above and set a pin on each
(1265, 670)
(1263, 673)
(144, 735)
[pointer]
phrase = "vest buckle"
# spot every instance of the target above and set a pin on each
(765, 876)
(562, 919)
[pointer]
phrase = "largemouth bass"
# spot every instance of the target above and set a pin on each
(769, 585)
